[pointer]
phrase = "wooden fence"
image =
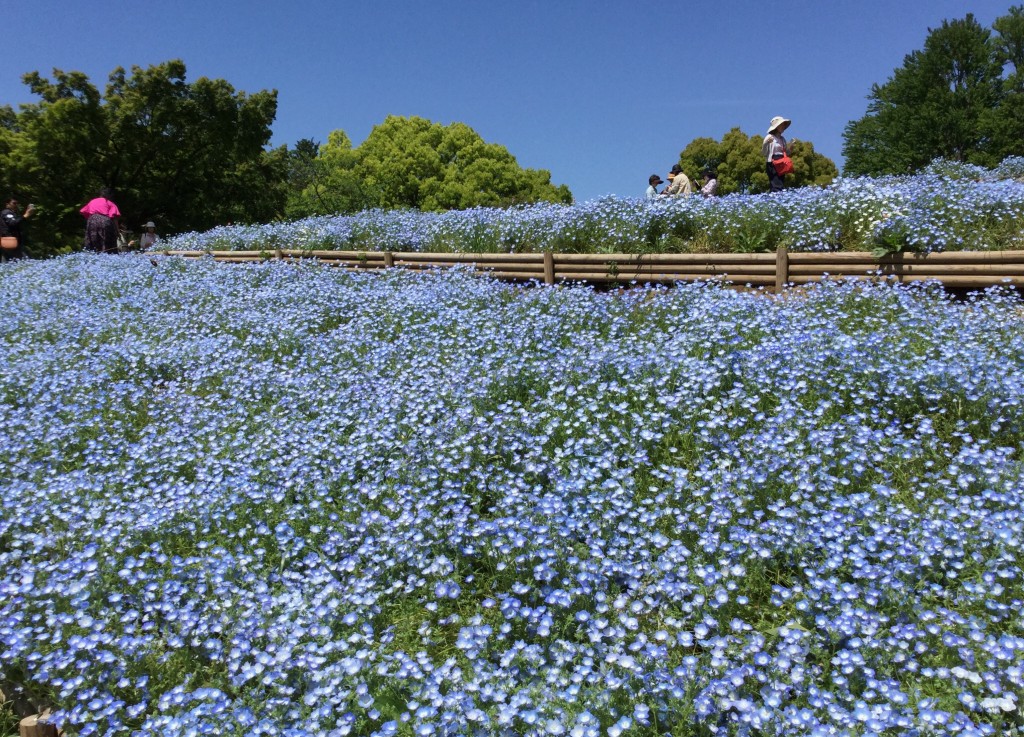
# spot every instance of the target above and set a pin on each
(961, 269)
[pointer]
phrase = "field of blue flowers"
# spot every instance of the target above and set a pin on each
(946, 207)
(288, 500)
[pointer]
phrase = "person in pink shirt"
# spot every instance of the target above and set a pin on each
(101, 223)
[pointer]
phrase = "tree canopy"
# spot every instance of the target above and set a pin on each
(740, 167)
(192, 155)
(188, 155)
(961, 98)
(413, 162)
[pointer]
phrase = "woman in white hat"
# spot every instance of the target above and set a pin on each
(149, 237)
(773, 148)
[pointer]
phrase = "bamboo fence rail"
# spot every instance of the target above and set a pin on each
(36, 726)
(961, 269)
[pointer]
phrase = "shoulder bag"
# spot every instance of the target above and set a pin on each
(782, 163)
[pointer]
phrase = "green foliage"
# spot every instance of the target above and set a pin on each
(701, 154)
(322, 179)
(810, 167)
(892, 236)
(414, 163)
(960, 98)
(1003, 125)
(187, 155)
(948, 206)
(740, 166)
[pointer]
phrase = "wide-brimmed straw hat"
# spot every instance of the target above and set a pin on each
(778, 124)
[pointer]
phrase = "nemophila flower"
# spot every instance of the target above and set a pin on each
(283, 497)
(946, 207)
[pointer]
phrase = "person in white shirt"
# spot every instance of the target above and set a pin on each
(775, 147)
(149, 237)
(710, 186)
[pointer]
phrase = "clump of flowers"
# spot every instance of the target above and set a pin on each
(285, 499)
(949, 206)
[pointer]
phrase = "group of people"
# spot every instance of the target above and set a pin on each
(680, 184)
(774, 148)
(104, 232)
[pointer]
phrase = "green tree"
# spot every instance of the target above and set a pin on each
(10, 143)
(413, 162)
(740, 167)
(189, 155)
(1003, 125)
(396, 157)
(323, 180)
(810, 167)
(303, 174)
(705, 153)
(55, 142)
(947, 101)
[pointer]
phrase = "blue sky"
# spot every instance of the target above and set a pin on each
(602, 94)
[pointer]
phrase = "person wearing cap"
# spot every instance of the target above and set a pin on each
(681, 185)
(149, 237)
(775, 147)
(652, 186)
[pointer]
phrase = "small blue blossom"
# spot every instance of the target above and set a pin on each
(285, 499)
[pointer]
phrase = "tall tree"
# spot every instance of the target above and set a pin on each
(740, 167)
(1003, 125)
(413, 162)
(9, 144)
(324, 180)
(189, 155)
(947, 100)
(810, 167)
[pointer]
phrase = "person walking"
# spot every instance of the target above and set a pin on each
(774, 148)
(101, 224)
(13, 246)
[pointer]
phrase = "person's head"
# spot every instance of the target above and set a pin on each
(150, 226)
(676, 169)
(654, 180)
(11, 202)
(708, 174)
(778, 124)
(106, 193)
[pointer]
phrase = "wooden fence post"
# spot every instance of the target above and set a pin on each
(389, 260)
(32, 727)
(549, 267)
(781, 268)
